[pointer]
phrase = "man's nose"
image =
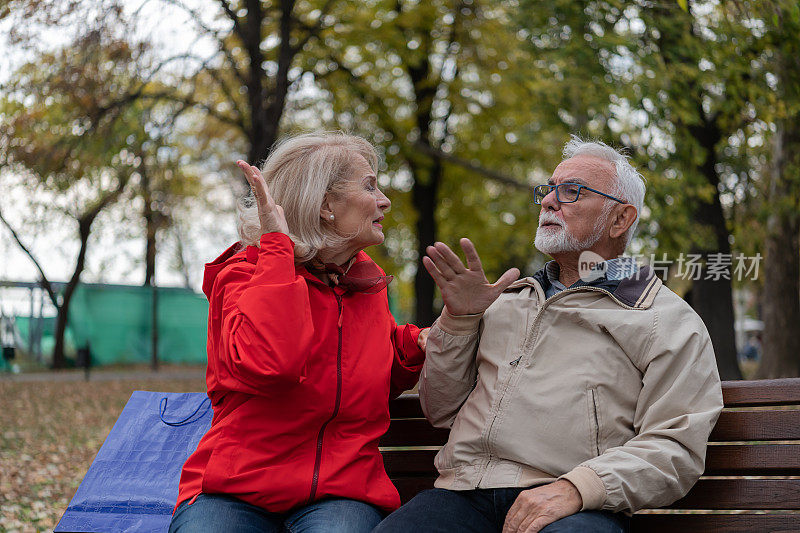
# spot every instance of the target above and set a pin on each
(550, 201)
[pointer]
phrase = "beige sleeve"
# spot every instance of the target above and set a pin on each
(450, 372)
(678, 406)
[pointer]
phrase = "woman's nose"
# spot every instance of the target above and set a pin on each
(383, 202)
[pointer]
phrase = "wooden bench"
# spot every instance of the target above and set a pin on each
(752, 477)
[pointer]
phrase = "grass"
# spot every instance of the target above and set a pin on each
(50, 431)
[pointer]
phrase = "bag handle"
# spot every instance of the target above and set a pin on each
(162, 408)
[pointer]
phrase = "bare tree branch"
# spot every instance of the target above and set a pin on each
(197, 19)
(185, 100)
(473, 167)
(43, 281)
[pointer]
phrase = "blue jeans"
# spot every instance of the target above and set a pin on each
(482, 511)
(218, 513)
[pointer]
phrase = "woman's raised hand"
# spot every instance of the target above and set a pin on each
(465, 290)
(270, 214)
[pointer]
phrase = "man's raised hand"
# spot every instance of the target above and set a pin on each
(270, 214)
(465, 289)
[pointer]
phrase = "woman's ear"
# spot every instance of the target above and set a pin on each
(325, 210)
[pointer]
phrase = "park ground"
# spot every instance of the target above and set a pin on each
(51, 428)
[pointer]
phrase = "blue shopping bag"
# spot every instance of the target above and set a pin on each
(132, 484)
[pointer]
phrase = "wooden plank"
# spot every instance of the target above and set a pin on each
(414, 432)
(757, 425)
(409, 462)
(761, 392)
(714, 523)
(722, 460)
(732, 426)
(406, 406)
(753, 460)
(408, 487)
(742, 494)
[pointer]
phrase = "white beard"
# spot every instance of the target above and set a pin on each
(558, 239)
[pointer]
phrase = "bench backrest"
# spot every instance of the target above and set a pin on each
(752, 476)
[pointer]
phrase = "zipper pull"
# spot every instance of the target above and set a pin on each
(341, 307)
(515, 361)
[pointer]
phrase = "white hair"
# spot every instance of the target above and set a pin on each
(299, 172)
(629, 185)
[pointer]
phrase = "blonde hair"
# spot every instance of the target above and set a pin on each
(299, 172)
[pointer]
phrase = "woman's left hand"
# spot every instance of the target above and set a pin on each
(422, 340)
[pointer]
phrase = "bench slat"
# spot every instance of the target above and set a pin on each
(761, 392)
(414, 432)
(409, 462)
(735, 394)
(732, 426)
(753, 460)
(722, 460)
(742, 494)
(713, 523)
(757, 425)
(406, 406)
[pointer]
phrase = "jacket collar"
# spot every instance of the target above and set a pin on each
(637, 291)
(238, 252)
(304, 272)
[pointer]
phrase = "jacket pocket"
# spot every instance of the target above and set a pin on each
(594, 420)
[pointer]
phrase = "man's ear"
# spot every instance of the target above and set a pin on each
(622, 220)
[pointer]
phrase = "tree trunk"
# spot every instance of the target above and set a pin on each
(149, 216)
(267, 106)
(425, 194)
(781, 293)
(59, 357)
(712, 299)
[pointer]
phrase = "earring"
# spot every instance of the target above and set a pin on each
(331, 217)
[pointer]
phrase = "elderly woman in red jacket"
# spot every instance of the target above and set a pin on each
(303, 354)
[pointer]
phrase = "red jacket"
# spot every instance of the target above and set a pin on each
(299, 375)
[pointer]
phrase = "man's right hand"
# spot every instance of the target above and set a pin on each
(465, 290)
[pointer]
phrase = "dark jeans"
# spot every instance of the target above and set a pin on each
(217, 513)
(482, 511)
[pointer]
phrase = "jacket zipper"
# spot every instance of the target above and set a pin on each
(318, 459)
(593, 395)
(515, 363)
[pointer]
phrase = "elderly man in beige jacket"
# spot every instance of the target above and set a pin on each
(576, 396)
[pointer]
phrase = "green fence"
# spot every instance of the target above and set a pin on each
(116, 323)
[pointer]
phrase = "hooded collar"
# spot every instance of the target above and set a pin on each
(237, 253)
(637, 291)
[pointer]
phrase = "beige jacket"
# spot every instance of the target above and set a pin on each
(613, 387)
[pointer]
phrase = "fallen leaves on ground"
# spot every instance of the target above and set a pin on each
(49, 434)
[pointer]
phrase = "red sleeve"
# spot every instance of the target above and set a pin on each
(264, 318)
(408, 359)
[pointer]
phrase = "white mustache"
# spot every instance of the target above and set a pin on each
(549, 218)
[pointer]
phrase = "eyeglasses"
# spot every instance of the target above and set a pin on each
(566, 193)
